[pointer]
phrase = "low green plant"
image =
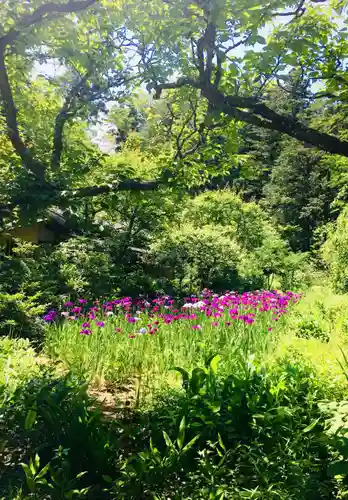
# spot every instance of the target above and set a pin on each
(247, 437)
(20, 315)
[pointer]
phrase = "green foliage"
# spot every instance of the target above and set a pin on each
(299, 194)
(223, 438)
(19, 315)
(246, 222)
(96, 266)
(335, 253)
(222, 242)
(194, 258)
(254, 429)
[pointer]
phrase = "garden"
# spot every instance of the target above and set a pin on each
(239, 395)
(173, 250)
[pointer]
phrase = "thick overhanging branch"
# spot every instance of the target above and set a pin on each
(58, 196)
(126, 185)
(182, 82)
(298, 12)
(250, 110)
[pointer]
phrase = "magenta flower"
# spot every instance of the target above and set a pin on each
(118, 330)
(249, 321)
(196, 327)
(85, 331)
(76, 310)
(101, 324)
(269, 329)
(131, 320)
(68, 304)
(83, 301)
(50, 316)
(86, 325)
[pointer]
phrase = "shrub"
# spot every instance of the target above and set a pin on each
(223, 242)
(98, 266)
(193, 258)
(19, 315)
(247, 222)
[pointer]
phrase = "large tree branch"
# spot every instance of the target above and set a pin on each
(64, 114)
(10, 112)
(60, 196)
(39, 14)
(275, 121)
(298, 12)
(262, 116)
(127, 185)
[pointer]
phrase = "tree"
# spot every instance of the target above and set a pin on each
(108, 48)
(199, 40)
(300, 193)
(95, 73)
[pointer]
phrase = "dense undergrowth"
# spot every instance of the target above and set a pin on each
(266, 422)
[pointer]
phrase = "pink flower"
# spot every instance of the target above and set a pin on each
(196, 327)
(118, 329)
(215, 323)
(269, 329)
(65, 314)
(131, 336)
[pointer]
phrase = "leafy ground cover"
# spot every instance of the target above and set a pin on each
(235, 396)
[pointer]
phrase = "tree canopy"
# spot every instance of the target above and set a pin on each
(213, 64)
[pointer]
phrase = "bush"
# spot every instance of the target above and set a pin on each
(246, 222)
(99, 267)
(240, 437)
(193, 258)
(223, 243)
(19, 315)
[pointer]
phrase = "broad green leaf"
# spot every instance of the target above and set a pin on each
(168, 441)
(311, 426)
(181, 434)
(43, 471)
(30, 419)
(189, 445)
